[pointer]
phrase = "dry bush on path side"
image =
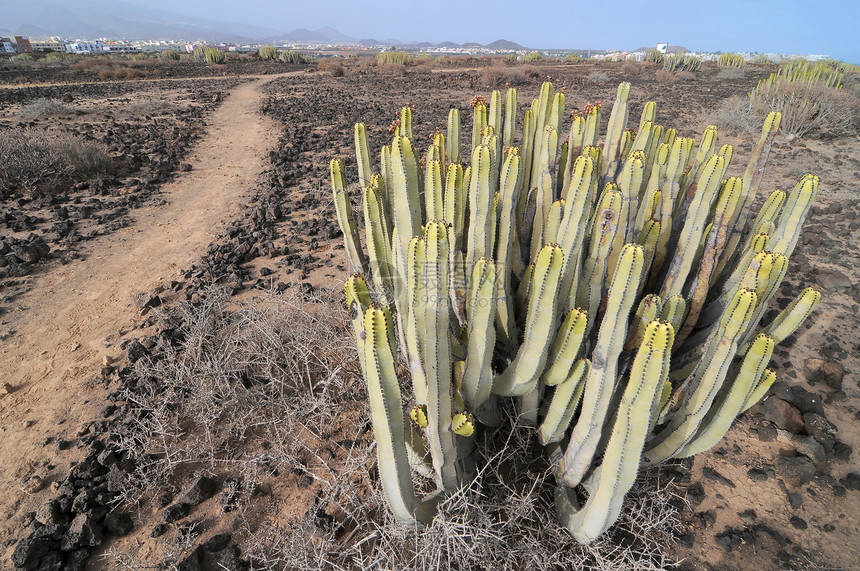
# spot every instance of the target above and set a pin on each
(43, 162)
(271, 370)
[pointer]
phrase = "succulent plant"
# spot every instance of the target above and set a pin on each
(613, 294)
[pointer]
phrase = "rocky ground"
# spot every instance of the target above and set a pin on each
(780, 492)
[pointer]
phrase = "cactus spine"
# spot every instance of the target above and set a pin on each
(518, 275)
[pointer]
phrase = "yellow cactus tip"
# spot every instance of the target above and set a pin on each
(419, 415)
(463, 424)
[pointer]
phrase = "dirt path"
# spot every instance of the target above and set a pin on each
(76, 314)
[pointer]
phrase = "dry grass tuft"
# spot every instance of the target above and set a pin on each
(497, 76)
(44, 162)
(598, 77)
(44, 107)
(271, 371)
(665, 77)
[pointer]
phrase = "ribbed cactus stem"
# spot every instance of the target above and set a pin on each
(564, 402)
(614, 132)
(510, 196)
(480, 239)
(566, 347)
(362, 155)
(437, 357)
(378, 237)
(715, 241)
(731, 400)
(386, 410)
(615, 476)
(790, 318)
(758, 392)
(510, 118)
(452, 140)
(694, 225)
(797, 207)
(345, 218)
(522, 374)
(480, 312)
(479, 123)
(705, 382)
(605, 228)
(604, 366)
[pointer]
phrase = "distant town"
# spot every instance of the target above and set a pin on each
(11, 45)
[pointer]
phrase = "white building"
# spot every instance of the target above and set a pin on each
(94, 47)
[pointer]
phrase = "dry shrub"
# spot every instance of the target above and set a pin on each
(43, 162)
(279, 369)
(41, 108)
(332, 66)
(503, 520)
(598, 77)
(735, 115)
(150, 106)
(424, 60)
(731, 73)
(630, 69)
(134, 73)
(91, 63)
(499, 76)
(531, 72)
(395, 69)
(808, 109)
(665, 77)
(110, 74)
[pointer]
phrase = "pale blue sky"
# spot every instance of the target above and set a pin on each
(787, 26)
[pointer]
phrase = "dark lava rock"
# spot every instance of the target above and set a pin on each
(159, 530)
(51, 513)
(842, 451)
(83, 532)
(810, 448)
(767, 432)
(798, 522)
(147, 300)
(795, 499)
(136, 351)
(218, 542)
(795, 471)
(806, 401)
(852, 481)
(175, 512)
(196, 561)
(819, 370)
(757, 474)
(782, 414)
(118, 524)
(201, 490)
(30, 550)
(824, 431)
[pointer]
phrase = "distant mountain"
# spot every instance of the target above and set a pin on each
(504, 45)
(119, 20)
(127, 20)
(335, 36)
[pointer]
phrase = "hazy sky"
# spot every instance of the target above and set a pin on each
(788, 26)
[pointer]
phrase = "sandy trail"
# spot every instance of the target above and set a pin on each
(76, 314)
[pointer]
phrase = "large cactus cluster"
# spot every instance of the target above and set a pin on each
(613, 294)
